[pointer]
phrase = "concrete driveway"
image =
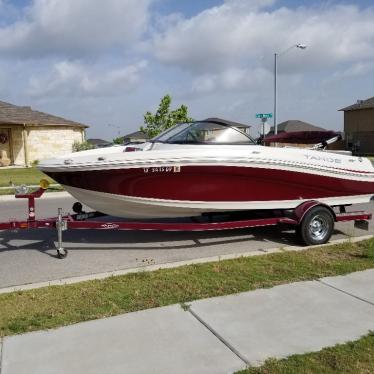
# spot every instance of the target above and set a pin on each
(29, 256)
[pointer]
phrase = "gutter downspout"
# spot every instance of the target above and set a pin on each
(26, 152)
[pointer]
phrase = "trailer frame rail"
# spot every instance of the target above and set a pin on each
(83, 220)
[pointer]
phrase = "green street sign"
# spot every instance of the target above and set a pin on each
(264, 115)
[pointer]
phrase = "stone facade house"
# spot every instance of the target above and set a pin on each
(359, 126)
(27, 135)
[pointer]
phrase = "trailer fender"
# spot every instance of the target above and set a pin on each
(302, 209)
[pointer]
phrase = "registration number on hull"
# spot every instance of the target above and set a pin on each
(163, 169)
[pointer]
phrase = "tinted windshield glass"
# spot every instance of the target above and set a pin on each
(203, 133)
(171, 132)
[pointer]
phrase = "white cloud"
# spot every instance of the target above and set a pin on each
(236, 35)
(357, 69)
(72, 79)
(248, 5)
(236, 79)
(65, 57)
(74, 28)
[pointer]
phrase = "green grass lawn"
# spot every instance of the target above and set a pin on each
(353, 357)
(18, 176)
(55, 306)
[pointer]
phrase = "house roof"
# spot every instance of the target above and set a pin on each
(360, 104)
(136, 135)
(98, 141)
(296, 125)
(226, 122)
(19, 115)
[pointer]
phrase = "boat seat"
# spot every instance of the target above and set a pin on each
(4, 159)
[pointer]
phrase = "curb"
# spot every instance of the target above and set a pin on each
(30, 186)
(170, 265)
(47, 195)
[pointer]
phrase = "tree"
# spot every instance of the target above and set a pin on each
(118, 140)
(164, 118)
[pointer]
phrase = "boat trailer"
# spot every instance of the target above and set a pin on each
(311, 220)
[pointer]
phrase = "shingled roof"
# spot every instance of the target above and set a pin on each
(226, 122)
(137, 135)
(19, 115)
(98, 142)
(296, 125)
(360, 104)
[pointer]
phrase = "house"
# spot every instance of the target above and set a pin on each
(135, 137)
(99, 143)
(27, 135)
(294, 126)
(240, 126)
(359, 126)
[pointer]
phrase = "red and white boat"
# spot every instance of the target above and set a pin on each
(209, 166)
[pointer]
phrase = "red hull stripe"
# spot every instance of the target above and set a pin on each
(213, 183)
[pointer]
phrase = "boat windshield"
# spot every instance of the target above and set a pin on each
(203, 133)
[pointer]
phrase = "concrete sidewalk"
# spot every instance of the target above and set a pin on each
(218, 335)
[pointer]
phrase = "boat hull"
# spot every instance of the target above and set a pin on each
(189, 190)
(143, 208)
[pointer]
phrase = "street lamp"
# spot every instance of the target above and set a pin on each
(276, 55)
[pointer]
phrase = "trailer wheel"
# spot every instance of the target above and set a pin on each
(62, 253)
(316, 227)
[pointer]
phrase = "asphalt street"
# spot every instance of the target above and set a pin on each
(28, 256)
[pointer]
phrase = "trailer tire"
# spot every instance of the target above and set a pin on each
(62, 253)
(316, 226)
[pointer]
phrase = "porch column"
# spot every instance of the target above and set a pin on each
(25, 148)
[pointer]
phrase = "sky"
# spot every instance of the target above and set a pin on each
(105, 63)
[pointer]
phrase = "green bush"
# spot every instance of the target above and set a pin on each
(82, 146)
(118, 140)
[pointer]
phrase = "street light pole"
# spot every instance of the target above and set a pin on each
(276, 55)
(275, 93)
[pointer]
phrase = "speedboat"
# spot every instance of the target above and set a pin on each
(206, 167)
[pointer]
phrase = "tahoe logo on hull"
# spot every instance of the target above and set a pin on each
(323, 158)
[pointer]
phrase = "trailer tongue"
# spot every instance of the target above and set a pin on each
(313, 221)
